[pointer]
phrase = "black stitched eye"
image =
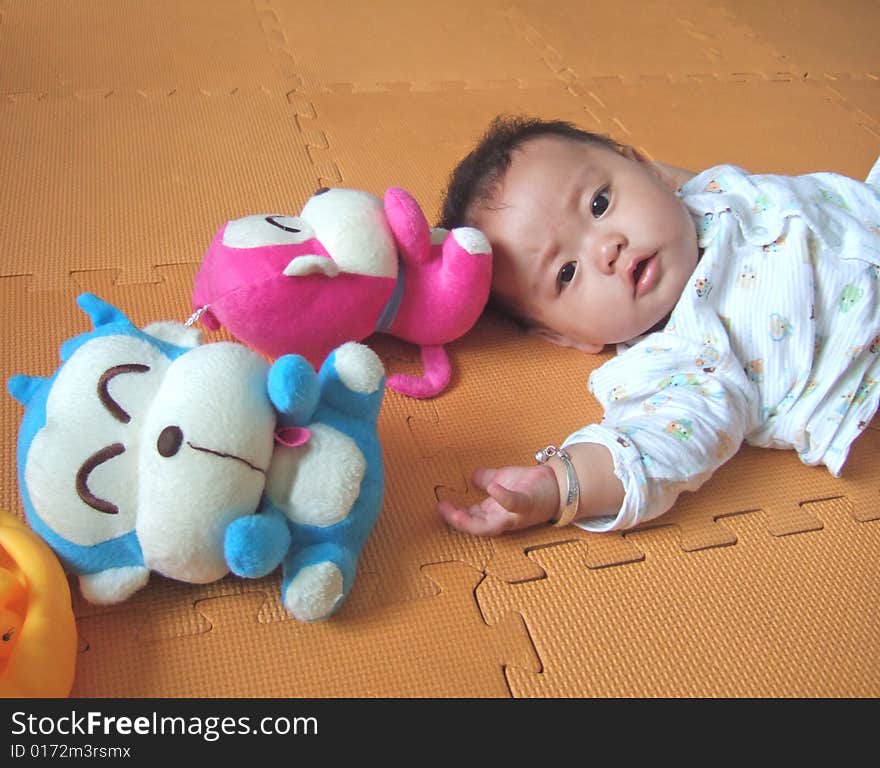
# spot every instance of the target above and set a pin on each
(169, 441)
(114, 408)
(600, 203)
(274, 223)
(107, 453)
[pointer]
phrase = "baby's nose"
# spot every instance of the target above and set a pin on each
(608, 247)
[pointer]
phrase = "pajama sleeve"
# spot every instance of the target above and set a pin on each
(675, 410)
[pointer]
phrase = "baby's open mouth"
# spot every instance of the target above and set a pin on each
(644, 275)
(640, 267)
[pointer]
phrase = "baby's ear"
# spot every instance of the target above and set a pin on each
(563, 341)
(671, 176)
(631, 153)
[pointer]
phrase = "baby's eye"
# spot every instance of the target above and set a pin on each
(566, 274)
(600, 202)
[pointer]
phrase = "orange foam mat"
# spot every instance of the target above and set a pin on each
(790, 616)
(439, 646)
(132, 130)
(106, 46)
(130, 181)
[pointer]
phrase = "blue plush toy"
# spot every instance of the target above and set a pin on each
(148, 451)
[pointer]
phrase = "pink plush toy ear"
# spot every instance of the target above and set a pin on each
(408, 225)
(446, 278)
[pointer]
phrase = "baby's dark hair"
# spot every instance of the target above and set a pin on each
(475, 179)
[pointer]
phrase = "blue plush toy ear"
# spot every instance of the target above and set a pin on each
(22, 387)
(100, 312)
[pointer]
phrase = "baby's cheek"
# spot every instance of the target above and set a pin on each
(685, 231)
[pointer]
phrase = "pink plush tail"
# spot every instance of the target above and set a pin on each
(438, 372)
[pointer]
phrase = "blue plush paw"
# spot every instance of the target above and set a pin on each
(293, 388)
(353, 381)
(316, 580)
(255, 545)
(113, 585)
(315, 592)
(357, 367)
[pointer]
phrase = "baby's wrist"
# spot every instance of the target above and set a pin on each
(548, 506)
(567, 486)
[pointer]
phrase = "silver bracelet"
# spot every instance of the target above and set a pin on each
(573, 489)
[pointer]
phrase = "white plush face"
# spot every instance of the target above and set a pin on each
(347, 229)
(78, 479)
(205, 450)
(257, 231)
(173, 449)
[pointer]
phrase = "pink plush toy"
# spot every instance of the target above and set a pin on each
(348, 266)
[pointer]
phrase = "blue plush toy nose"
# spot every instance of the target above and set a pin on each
(169, 441)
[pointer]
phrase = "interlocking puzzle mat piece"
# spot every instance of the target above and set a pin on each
(165, 608)
(770, 616)
(409, 532)
(438, 647)
(813, 36)
(129, 181)
(713, 117)
(460, 42)
(784, 489)
(699, 39)
(860, 95)
(860, 483)
(128, 45)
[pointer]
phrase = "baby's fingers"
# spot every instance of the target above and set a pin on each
(513, 501)
(476, 519)
(482, 477)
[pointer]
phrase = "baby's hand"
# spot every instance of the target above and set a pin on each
(518, 497)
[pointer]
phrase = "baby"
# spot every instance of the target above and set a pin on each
(745, 308)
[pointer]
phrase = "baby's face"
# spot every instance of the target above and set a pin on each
(593, 247)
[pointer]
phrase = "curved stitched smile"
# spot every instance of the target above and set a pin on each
(225, 456)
